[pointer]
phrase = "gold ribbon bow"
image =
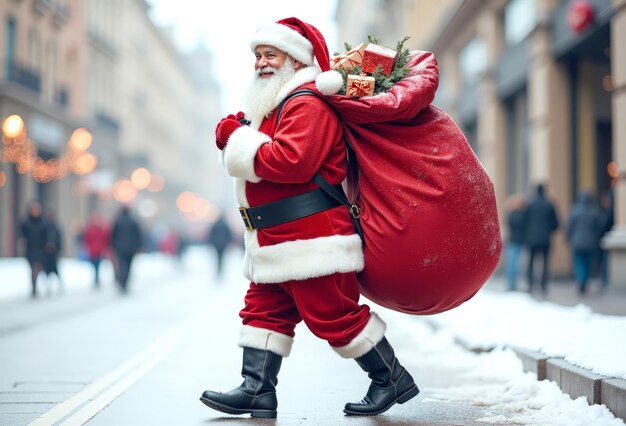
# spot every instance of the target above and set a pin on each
(359, 88)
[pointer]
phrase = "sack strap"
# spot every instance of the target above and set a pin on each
(339, 196)
(290, 96)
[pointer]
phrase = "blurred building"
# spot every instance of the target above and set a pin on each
(103, 67)
(41, 80)
(536, 85)
(160, 111)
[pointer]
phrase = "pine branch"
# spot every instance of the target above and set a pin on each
(372, 40)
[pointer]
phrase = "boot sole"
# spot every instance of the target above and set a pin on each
(410, 393)
(266, 414)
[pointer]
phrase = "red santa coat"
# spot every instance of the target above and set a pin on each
(273, 162)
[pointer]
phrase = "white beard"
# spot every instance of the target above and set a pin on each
(261, 95)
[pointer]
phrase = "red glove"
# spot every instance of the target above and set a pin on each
(226, 127)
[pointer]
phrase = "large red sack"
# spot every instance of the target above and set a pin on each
(428, 209)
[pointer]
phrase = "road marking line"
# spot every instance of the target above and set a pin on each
(103, 391)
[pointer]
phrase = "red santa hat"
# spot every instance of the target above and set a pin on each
(304, 43)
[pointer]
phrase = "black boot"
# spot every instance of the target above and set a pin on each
(257, 394)
(391, 382)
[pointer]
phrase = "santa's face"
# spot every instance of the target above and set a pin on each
(268, 60)
(273, 69)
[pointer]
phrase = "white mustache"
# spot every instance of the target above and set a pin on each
(266, 69)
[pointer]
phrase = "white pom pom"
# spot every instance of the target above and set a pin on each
(329, 82)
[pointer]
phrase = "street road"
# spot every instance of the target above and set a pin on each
(101, 358)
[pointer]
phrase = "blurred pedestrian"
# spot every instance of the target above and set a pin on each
(607, 220)
(126, 240)
(34, 234)
(170, 243)
(302, 254)
(96, 241)
(515, 238)
(54, 245)
(540, 222)
(220, 236)
(583, 235)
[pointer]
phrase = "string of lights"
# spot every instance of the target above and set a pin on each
(19, 149)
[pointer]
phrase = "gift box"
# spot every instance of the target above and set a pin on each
(375, 55)
(350, 59)
(360, 85)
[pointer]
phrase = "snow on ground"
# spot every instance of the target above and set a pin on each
(494, 379)
(583, 338)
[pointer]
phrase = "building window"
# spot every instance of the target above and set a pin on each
(51, 71)
(472, 61)
(34, 50)
(10, 46)
(519, 20)
(517, 143)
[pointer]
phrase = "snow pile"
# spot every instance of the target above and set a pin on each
(493, 380)
(576, 334)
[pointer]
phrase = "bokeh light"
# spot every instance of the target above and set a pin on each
(611, 169)
(157, 183)
(147, 208)
(81, 139)
(13, 126)
(202, 208)
(140, 177)
(186, 201)
(85, 163)
(124, 191)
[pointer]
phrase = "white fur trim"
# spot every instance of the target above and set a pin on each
(264, 339)
(329, 82)
(240, 151)
(369, 337)
(240, 192)
(285, 39)
(301, 259)
(250, 239)
(305, 75)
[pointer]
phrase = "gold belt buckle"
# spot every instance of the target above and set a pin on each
(355, 211)
(243, 211)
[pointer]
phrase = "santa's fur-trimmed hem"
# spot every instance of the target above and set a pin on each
(370, 336)
(264, 339)
(302, 259)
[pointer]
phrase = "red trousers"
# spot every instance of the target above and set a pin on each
(328, 306)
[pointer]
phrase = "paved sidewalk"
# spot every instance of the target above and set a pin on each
(612, 301)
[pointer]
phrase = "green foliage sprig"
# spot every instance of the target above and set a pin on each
(382, 82)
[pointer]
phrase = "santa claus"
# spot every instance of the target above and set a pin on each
(302, 252)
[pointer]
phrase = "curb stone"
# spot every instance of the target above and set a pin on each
(574, 381)
(532, 361)
(614, 396)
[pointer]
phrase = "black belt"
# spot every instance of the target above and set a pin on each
(288, 209)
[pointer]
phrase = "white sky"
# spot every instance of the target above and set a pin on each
(227, 26)
(493, 380)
